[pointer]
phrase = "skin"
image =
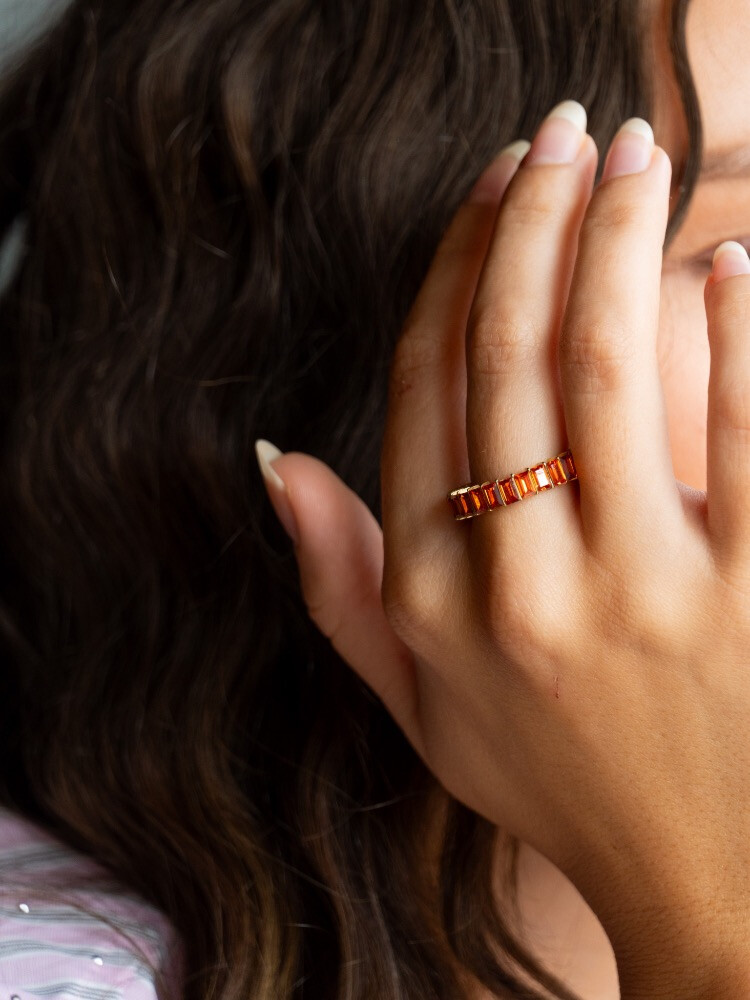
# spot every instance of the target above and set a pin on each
(646, 589)
(560, 925)
(718, 37)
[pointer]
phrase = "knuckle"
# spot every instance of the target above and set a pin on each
(328, 608)
(417, 354)
(609, 211)
(539, 197)
(412, 604)
(324, 612)
(641, 608)
(459, 243)
(595, 355)
(499, 345)
(522, 621)
(627, 612)
(510, 630)
(326, 617)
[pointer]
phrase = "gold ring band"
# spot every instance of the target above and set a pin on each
(471, 501)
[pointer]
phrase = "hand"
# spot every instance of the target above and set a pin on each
(573, 667)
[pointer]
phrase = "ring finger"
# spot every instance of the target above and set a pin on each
(514, 411)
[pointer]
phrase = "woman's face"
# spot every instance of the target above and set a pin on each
(718, 41)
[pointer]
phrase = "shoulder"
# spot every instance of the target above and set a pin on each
(67, 931)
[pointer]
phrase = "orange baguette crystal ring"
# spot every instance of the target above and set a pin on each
(471, 501)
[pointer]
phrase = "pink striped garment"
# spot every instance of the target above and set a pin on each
(86, 944)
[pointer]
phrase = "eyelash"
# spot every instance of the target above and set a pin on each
(702, 262)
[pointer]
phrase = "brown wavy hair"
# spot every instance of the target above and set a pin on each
(226, 209)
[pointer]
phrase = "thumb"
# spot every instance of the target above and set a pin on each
(339, 549)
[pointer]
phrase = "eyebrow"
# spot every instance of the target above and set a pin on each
(733, 162)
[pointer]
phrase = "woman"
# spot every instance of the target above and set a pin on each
(229, 210)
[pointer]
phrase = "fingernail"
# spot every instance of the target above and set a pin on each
(631, 149)
(495, 179)
(560, 135)
(730, 259)
(267, 453)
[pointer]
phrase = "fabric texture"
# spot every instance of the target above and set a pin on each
(67, 930)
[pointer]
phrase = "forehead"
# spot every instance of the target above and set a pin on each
(718, 34)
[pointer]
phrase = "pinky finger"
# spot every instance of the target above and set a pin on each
(727, 296)
(339, 549)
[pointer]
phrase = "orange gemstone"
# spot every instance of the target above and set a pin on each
(505, 488)
(524, 483)
(570, 469)
(477, 500)
(456, 505)
(493, 497)
(541, 478)
(461, 504)
(556, 472)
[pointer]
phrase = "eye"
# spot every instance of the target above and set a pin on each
(701, 262)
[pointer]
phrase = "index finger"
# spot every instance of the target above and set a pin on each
(424, 448)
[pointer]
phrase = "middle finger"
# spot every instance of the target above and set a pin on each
(514, 411)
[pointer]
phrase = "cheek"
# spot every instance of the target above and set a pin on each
(684, 364)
